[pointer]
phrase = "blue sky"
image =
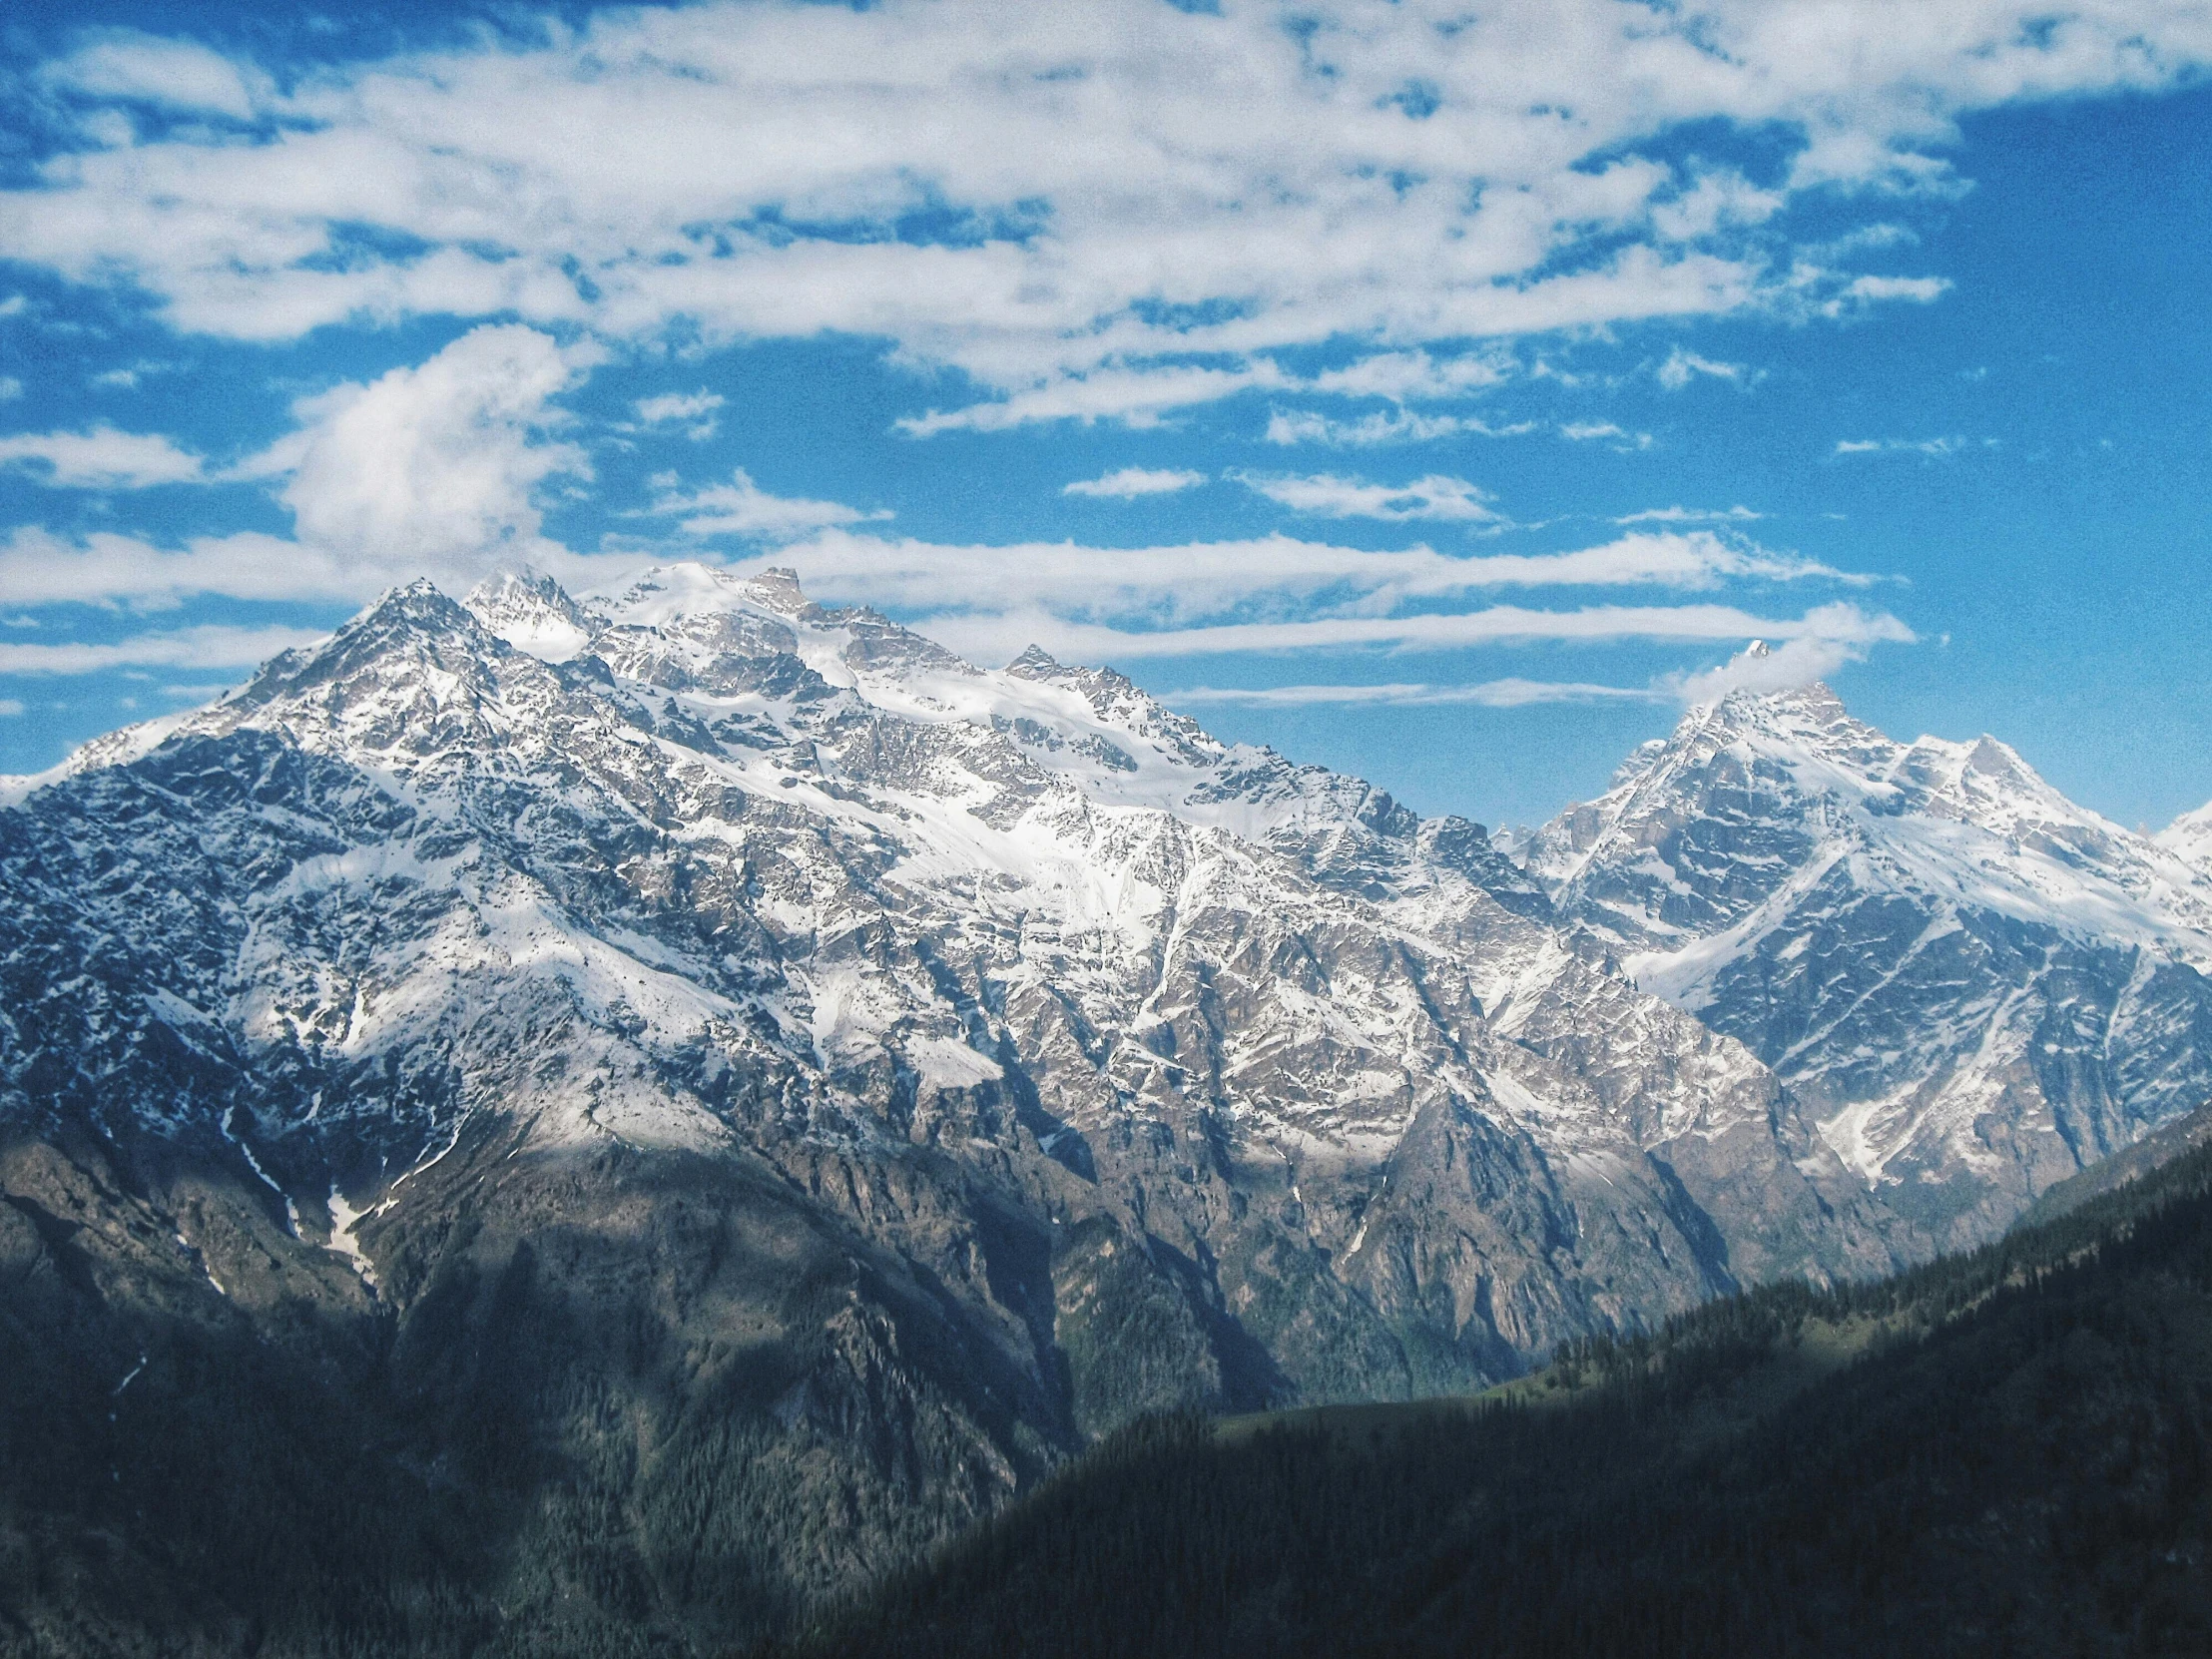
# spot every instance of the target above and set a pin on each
(1444, 399)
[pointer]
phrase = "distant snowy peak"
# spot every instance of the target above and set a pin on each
(1750, 794)
(2189, 838)
(1978, 983)
(532, 613)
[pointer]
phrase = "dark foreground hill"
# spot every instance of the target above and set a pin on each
(2001, 1452)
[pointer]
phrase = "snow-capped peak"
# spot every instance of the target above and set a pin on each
(2189, 838)
(532, 613)
(1970, 822)
(1928, 935)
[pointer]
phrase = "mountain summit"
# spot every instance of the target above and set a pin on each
(1975, 985)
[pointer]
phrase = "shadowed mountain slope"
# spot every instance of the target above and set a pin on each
(2006, 1451)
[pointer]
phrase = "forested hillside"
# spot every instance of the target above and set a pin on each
(2000, 1452)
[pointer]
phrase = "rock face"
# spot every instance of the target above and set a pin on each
(758, 1068)
(1975, 986)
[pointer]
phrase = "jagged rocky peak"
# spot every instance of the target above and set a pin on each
(533, 613)
(1036, 663)
(1979, 983)
(1702, 826)
(413, 640)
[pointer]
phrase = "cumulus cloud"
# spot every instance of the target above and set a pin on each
(1090, 220)
(101, 458)
(1324, 495)
(1133, 481)
(1760, 667)
(436, 469)
(742, 509)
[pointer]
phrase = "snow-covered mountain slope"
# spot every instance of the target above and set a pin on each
(2189, 838)
(719, 865)
(1977, 985)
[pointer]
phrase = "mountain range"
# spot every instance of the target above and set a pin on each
(716, 1093)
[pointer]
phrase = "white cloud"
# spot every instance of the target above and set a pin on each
(1490, 694)
(430, 471)
(146, 69)
(1004, 634)
(697, 407)
(1156, 586)
(1135, 397)
(1133, 481)
(40, 568)
(1760, 667)
(677, 405)
(205, 646)
(1137, 218)
(10, 388)
(1587, 431)
(1681, 367)
(1691, 515)
(434, 469)
(1274, 576)
(1326, 495)
(742, 509)
(100, 459)
(1922, 289)
(1414, 377)
(1935, 448)
(10, 707)
(1294, 426)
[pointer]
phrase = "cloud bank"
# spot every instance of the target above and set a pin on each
(1094, 209)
